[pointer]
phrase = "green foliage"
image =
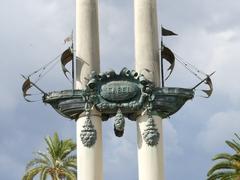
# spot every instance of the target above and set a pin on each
(57, 163)
(228, 165)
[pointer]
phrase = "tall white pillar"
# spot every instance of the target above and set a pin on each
(146, 39)
(87, 40)
(150, 158)
(89, 159)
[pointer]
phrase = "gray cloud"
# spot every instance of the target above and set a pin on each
(32, 33)
(218, 128)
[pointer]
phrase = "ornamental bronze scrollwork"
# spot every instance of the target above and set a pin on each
(119, 95)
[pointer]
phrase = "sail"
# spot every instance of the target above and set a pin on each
(210, 90)
(66, 57)
(166, 32)
(81, 62)
(168, 55)
(26, 86)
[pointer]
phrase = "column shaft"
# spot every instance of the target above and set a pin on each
(150, 159)
(87, 40)
(89, 159)
(146, 39)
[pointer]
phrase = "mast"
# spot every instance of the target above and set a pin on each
(167, 54)
(73, 64)
(161, 62)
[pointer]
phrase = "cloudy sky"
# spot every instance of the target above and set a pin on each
(32, 33)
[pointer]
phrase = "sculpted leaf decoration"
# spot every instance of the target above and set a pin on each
(119, 124)
(151, 134)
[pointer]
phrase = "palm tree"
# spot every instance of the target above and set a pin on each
(228, 168)
(57, 163)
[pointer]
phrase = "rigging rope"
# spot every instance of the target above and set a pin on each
(36, 94)
(190, 67)
(188, 63)
(44, 74)
(45, 66)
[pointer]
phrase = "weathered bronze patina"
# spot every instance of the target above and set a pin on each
(127, 91)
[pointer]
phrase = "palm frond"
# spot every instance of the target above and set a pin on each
(219, 175)
(45, 157)
(236, 157)
(50, 147)
(34, 162)
(57, 162)
(70, 174)
(44, 173)
(233, 176)
(221, 165)
(229, 166)
(30, 174)
(222, 156)
(238, 137)
(233, 145)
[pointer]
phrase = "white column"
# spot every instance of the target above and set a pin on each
(89, 159)
(87, 40)
(150, 158)
(146, 39)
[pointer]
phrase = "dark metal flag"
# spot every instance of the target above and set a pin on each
(66, 57)
(210, 90)
(168, 55)
(166, 32)
(25, 87)
(208, 82)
